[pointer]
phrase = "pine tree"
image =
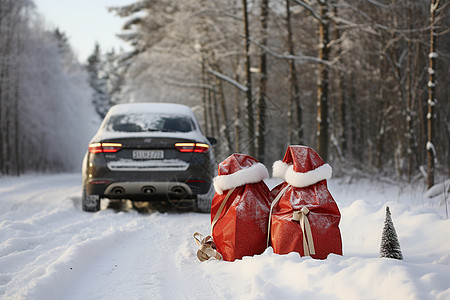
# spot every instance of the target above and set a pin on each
(97, 81)
(63, 42)
(114, 75)
(390, 247)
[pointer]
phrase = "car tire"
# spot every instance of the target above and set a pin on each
(203, 202)
(89, 203)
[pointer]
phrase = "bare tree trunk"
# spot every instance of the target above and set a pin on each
(216, 113)
(3, 46)
(294, 90)
(204, 96)
(410, 111)
(342, 103)
(341, 123)
(212, 129)
(431, 155)
(237, 113)
(249, 104)
(323, 81)
(2, 102)
(17, 97)
(8, 35)
(15, 149)
(355, 146)
(261, 143)
(225, 128)
(237, 126)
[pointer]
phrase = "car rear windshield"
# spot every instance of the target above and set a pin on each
(149, 122)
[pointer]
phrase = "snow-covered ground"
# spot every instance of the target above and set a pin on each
(51, 249)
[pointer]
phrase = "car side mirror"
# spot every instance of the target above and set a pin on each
(212, 140)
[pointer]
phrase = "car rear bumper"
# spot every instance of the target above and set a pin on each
(143, 190)
(147, 181)
(147, 190)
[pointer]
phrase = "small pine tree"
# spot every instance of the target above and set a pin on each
(390, 247)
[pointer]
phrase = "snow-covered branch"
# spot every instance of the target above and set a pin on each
(188, 85)
(217, 12)
(225, 78)
(125, 11)
(438, 189)
(376, 3)
(310, 9)
(291, 57)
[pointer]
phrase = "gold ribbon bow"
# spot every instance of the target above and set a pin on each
(206, 247)
(308, 243)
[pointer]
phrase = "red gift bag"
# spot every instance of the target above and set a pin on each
(240, 208)
(304, 216)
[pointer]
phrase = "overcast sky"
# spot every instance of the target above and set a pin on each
(85, 22)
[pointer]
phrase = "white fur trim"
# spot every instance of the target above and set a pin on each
(253, 174)
(298, 179)
(279, 169)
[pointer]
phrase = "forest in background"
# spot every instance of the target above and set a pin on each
(46, 113)
(351, 78)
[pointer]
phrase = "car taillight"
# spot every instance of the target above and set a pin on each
(95, 148)
(192, 147)
(111, 147)
(201, 148)
(104, 147)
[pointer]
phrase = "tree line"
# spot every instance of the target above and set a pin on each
(106, 78)
(363, 82)
(45, 99)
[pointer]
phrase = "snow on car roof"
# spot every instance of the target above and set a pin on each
(153, 107)
(150, 107)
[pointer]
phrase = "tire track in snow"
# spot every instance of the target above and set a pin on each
(42, 232)
(158, 261)
(73, 254)
(56, 264)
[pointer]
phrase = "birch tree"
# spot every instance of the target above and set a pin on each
(431, 151)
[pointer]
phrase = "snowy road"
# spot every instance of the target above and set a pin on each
(50, 249)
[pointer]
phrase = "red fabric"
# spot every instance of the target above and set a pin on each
(241, 229)
(235, 163)
(324, 216)
(303, 158)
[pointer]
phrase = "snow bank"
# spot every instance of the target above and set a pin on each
(438, 189)
(50, 249)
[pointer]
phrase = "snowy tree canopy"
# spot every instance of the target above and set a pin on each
(46, 116)
(192, 52)
(99, 82)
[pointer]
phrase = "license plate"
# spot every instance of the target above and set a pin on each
(148, 154)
